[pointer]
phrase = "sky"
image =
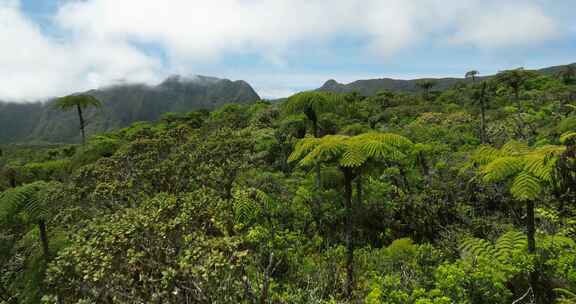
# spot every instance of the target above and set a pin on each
(51, 48)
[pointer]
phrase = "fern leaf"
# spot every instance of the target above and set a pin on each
(515, 147)
(508, 243)
(474, 248)
(502, 168)
(568, 138)
(525, 187)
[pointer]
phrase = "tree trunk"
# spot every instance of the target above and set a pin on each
(230, 203)
(82, 124)
(359, 189)
(266, 283)
(530, 227)
(521, 123)
(44, 238)
(483, 116)
(349, 285)
(12, 181)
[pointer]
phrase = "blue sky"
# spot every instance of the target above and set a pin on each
(56, 47)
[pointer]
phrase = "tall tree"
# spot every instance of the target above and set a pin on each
(472, 75)
(568, 74)
(426, 85)
(515, 80)
(479, 97)
(312, 104)
(350, 154)
(528, 172)
(79, 102)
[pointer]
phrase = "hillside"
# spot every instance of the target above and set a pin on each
(122, 105)
(370, 87)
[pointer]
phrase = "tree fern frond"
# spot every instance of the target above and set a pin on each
(353, 157)
(568, 138)
(474, 248)
(508, 243)
(525, 186)
(26, 199)
(515, 147)
(502, 168)
(539, 166)
(565, 293)
(328, 148)
(389, 139)
(82, 100)
(245, 209)
(310, 101)
(303, 147)
(486, 154)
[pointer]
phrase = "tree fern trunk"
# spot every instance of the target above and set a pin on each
(359, 190)
(44, 238)
(349, 285)
(530, 226)
(82, 124)
(521, 123)
(483, 116)
(531, 239)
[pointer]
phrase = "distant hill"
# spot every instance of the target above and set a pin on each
(372, 86)
(122, 105)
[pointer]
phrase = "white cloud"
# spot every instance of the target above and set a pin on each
(33, 66)
(99, 47)
(506, 24)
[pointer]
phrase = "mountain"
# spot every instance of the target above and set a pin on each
(122, 105)
(372, 86)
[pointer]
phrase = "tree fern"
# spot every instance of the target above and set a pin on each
(473, 248)
(31, 202)
(249, 203)
(506, 245)
(527, 169)
(25, 200)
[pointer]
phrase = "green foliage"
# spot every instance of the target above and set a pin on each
(70, 102)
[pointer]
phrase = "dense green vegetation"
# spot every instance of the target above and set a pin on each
(467, 195)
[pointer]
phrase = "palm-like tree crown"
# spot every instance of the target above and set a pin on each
(514, 78)
(72, 101)
(311, 103)
(350, 152)
(528, 169)
(472, 74)
(426, 84)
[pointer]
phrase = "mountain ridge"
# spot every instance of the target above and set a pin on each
(370, 87)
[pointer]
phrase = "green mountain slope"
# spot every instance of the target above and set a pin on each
(122, 105)
(370, 87)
